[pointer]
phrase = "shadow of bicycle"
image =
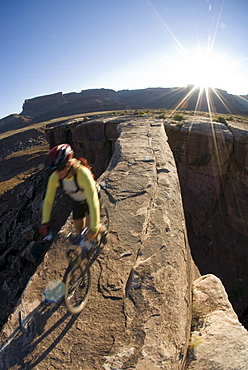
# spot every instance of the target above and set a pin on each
(32, 341)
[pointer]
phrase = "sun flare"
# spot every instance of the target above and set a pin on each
(205, 75)
(206, 71)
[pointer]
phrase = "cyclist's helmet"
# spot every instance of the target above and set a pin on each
(59, 156)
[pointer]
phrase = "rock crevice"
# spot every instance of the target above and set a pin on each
(212, 162)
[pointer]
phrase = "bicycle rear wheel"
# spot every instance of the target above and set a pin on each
(77, 287)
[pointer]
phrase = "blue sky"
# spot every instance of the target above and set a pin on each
(48, 46)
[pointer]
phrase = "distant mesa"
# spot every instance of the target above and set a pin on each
(95, 100)
(59, 104)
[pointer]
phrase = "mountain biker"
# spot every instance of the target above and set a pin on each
(78, 182)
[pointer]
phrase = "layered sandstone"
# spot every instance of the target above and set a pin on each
(212, 162)
(214, 155)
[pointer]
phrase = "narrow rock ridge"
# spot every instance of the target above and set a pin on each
(147, 219)
(151, 243)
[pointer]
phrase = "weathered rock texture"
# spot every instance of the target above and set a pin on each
(139, 312)
(214, 322)
(212, 162)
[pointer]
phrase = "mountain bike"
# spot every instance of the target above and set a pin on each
(77, 278)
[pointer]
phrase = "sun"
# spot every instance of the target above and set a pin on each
(206, 71)
(205, 74)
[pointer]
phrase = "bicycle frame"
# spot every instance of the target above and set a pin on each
(77, 277)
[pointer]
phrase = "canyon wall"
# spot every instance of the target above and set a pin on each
(93, 139)
(212, 162)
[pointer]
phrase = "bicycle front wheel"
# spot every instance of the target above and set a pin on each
(77, 287)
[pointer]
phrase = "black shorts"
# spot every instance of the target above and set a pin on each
(79, 210)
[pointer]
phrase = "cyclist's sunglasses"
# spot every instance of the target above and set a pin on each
(61, 168)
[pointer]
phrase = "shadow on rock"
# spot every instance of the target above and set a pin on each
(44, 327)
